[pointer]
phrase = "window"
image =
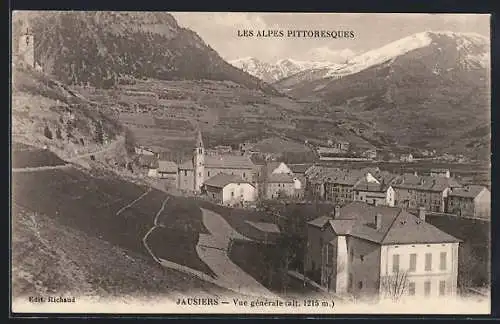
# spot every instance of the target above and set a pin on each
(442, 261)
(427, 288)
(244, 175)
(413, 262)
(395, 263)
(360, 285)
(232, 193)
(442, 287)
(208, 173)
(362, 257)
(199, 174)
(428, 261)
(185, 173)
(411, 288)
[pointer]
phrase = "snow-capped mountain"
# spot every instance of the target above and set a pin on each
(272, 72)
(428, 90)
(473, 49)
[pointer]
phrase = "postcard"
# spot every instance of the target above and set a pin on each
(250, 163)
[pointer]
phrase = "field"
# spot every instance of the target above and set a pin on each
(91, 204)
(264, 261)
(24, 156)
(51, 258)
(166, 113)
(236, 219)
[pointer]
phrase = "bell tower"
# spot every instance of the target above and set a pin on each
(26, 46)
(199, 163)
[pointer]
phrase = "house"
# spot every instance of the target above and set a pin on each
(440, 173)
(335, 184)
(167, 170)
(406, 157)
(193, 172)
(340, 146)
(470, 201)
(147, 161)
(229, 189)
(369, 154)
(374, 193)
(279, 185)
(371, 251)
(143, 151)
(413, 191)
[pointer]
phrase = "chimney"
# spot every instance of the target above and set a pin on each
(421, 213)
(378, 221)
(336, 212)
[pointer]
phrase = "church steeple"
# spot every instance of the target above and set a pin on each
(199, 140)
(199, 162)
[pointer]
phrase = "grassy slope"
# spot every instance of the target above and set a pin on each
(88, 204)
(49, 257)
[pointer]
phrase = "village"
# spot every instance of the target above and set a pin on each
(382, 232)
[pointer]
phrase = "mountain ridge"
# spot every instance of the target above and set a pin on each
(273, 72)
(105, 48)
(427, 90)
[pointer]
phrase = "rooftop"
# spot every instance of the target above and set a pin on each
(229, 162)
(470, 191)
(167, 166)
(411, 181)
(299, 168)
(397, 226)
(222, 179)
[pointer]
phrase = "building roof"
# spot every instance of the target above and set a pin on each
(411, 181)
(364, 185)
(149, 161)
(397, 226)
(167, 166)
(186, 165)
(222, 179)
(280, 178)
(229, 162)
(470, 191)
(299, 168)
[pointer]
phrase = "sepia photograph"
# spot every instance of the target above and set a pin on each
(250, 163)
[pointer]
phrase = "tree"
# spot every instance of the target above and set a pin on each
(58, 133)
(395, 285)
(99, 133)
(130, 140)
(47, 132)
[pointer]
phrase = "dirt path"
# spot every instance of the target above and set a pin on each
(213, 248)
(42, 168)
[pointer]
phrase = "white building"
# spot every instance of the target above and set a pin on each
(377, 251)
(229, 189)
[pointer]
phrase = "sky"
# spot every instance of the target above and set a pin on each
(220, 31)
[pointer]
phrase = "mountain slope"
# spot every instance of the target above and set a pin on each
(271, 73)
(106, 48)
(428, 90)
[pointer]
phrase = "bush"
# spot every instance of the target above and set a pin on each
(47, 133)
(58, 133)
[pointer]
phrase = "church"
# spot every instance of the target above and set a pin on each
(193, 173)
